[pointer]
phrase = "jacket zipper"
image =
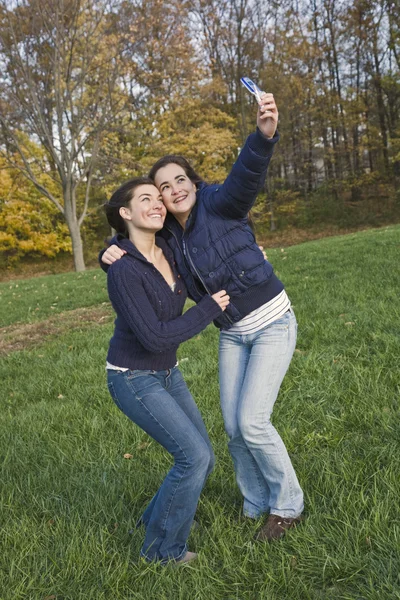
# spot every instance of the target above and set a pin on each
(185, 258)
(189, 260)
(200, 278)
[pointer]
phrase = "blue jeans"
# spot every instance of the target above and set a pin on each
(252, 368)
(160, 403)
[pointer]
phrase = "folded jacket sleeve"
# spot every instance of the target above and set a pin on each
(235, 197)
(130, 300)
(103, 265)
(113, 241)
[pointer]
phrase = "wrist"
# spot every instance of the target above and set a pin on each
(262, 145)
(265, 136)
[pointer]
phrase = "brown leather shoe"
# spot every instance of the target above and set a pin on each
(276, 527)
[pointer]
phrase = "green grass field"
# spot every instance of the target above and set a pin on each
(69, 499)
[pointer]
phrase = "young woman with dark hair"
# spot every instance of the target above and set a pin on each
(208, 230)
(148, 295)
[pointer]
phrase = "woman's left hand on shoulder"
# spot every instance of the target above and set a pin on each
(267, 115)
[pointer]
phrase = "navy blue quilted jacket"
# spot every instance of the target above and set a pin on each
(218, 250)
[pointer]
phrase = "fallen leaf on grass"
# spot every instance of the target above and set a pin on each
(350, 323)
(143, 445)
(127, 455)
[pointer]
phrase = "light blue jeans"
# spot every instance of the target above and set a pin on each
(252, 368)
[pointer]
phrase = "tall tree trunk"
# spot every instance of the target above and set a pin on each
(243, 121)
(328, 167)
(310, 166)
(356, 125)
(381, 108)
(344, 161)
(272, 225)
(74, 227)
(77, 246)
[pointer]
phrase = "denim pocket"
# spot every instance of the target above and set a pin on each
(113, 394)
(283, 321)
(131, 374)
(144, 384)
(286, 326)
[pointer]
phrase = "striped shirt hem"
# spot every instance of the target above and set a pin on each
(263, 316)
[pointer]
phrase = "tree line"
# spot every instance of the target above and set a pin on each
(93, 91)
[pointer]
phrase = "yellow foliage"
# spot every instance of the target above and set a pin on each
(202, 134)
(29, 223)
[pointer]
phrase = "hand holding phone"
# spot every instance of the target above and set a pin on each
(252, 88)
(267, 114)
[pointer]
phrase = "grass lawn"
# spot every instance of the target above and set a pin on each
(69, 499)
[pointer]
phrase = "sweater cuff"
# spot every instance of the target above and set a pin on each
(103, 266)
(262, 145)
(210, 307)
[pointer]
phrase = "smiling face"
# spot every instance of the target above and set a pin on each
(146, 210)
(177, 190)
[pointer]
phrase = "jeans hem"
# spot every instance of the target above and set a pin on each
(254, 516)
(285, 515)
(165, 561)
